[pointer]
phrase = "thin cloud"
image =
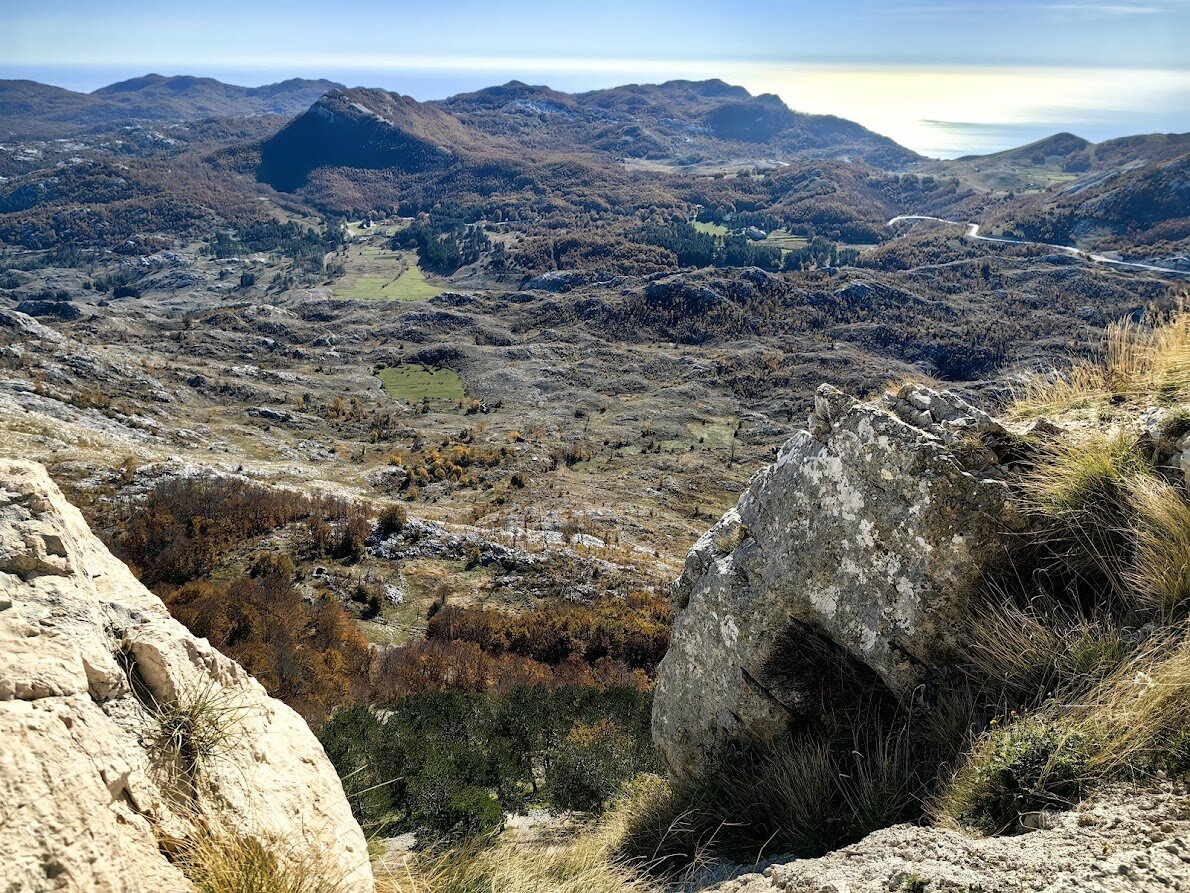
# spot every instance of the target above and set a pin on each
(1114, 9)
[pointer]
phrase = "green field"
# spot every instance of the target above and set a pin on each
(374, 282)
(414, 383)
(714, 229)
(781, 239)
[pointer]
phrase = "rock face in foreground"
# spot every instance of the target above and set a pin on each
(99, 778)
(1126, 843)
(855, 548)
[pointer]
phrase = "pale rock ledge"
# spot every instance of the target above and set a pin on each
(87, 801)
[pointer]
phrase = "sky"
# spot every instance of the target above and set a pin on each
(939, 75)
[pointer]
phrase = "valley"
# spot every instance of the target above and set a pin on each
(418, 410)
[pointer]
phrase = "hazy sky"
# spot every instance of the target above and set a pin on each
(916, 69)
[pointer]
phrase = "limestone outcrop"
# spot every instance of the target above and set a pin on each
(122, 736)
(1121, 842)
(858, 544)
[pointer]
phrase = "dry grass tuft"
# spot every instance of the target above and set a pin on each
(1025, 654)
(585, 863)
(1075, 480)
(199, 725)
(805, 795)
(221, 862)
(1142, 713)
(1160, 570)
(1140, 363)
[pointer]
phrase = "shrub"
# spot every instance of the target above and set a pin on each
(589, 768)
(351, 537)
(420, 768)
(392, 520)
(272, 564)
(311, 657)
(182, 527)
(1032, 765)
(633, 631)
(472, 812)
(350, 739)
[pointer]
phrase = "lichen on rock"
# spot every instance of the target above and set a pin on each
(868, 533)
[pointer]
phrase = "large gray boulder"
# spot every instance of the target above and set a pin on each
(93, 675)
(856, 548)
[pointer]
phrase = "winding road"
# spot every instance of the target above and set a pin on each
(973, 233)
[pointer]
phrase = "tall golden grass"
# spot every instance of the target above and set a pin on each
(223, 862)
(1139, 362)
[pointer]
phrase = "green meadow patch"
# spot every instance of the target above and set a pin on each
(375, 282)
(415, 383)
(785, 240)
(711, 229)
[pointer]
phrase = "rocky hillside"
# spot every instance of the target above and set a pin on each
(497, 135)
(368, 129)
(133, 756)
(677, 119)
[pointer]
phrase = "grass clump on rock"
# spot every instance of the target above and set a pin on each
(1084, 635)
(222, 862)
(1069, 669)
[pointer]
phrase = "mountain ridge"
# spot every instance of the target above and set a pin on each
(30, 109)
(517, 125)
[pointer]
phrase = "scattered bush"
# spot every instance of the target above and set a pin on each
(591, 765)
(633, 631)
(272, 564)
(443, 808)
(311, 657)
(1032, 765)
(392, 520)
(453, 762)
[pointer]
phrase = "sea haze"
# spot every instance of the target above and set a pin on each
(939, 111)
